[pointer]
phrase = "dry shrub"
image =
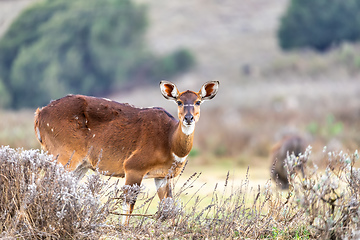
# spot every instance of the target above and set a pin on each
(40, 199)
(330, 198)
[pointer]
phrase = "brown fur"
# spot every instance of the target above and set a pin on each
(118, 139)
(79, 126)
(288, 145)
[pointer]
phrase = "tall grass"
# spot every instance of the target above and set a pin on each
(40, 199)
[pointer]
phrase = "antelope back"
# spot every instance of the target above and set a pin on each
(77, 127)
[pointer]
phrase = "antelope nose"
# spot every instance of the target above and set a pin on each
(189, 118)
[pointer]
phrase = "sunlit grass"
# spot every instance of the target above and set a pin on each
(222, 177)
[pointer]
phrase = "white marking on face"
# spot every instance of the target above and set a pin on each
(179, 159)
(188, 129)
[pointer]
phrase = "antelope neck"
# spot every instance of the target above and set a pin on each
(181, 143)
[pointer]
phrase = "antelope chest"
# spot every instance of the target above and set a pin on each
(178, 159)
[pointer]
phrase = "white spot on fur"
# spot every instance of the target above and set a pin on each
(188, 129)
(48, 124)
(89, 129)
(179, 159)
(52, 130)
(76, 117)
(93, 135)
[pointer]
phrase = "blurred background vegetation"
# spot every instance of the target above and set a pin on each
(284, 66)
(319, 24)
(91, 47)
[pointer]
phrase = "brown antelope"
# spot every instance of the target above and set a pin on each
(121, 140)
(291, 144)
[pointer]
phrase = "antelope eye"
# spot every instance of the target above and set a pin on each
(198, 103)
(179, 103)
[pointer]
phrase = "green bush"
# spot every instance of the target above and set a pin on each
(319, 24)
(90, 47)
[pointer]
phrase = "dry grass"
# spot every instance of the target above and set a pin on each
(39, 199)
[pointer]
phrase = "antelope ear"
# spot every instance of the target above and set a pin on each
(209, 90)
(169, 90)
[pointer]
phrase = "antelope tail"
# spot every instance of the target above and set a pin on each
(36, 125)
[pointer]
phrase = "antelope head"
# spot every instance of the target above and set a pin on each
(188, 102)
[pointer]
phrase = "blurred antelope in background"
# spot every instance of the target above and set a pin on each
(121, 140)
(288, 145)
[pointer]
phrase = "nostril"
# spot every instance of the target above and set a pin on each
(189, 118)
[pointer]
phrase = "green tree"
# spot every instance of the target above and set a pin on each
(319, 24)
(90, 47)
